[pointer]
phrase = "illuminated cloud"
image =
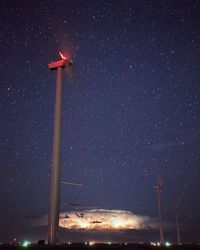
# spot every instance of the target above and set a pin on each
(102, 220)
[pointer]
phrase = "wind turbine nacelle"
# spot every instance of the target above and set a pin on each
(61, 63)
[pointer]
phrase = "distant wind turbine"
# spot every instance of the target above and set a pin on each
(178, 227)
(158, 189)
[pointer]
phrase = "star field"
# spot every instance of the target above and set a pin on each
(131, 109)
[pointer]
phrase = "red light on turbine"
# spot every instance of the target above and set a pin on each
(62, 56)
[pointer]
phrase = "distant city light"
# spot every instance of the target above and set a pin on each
(167, 244)
(155, 244)
(91, 243)
(26, 243)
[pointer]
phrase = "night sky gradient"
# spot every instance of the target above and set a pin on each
(131, 109)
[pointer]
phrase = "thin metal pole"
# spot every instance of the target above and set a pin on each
(53, 220)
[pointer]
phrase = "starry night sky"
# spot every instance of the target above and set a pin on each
(134, 110)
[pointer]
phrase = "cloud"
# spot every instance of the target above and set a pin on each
(103, 219)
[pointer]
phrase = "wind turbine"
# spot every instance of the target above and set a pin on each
(158, 189)
(54, 205)
(178, 227)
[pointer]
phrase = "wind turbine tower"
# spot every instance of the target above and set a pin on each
(54, 204)
(158, 189)
(178, 227)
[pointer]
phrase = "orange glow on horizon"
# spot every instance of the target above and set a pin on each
(105, 220)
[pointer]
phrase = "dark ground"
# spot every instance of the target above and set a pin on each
(102, 247)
